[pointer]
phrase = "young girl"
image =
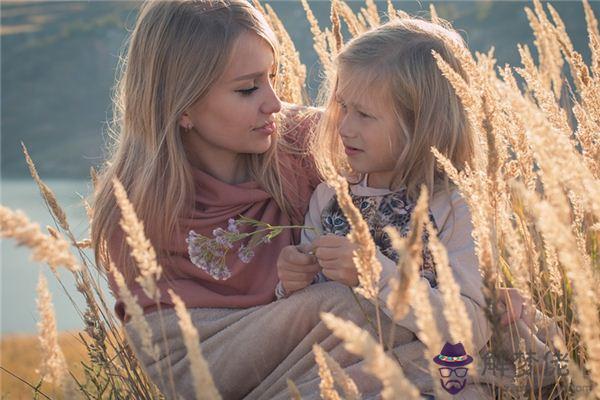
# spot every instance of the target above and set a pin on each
(389, 104)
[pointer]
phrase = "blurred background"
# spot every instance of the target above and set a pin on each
(58, 64)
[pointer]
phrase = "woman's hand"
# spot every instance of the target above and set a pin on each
(335, 255)
(295, 269)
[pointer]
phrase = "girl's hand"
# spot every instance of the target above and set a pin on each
(334, 254)
(295, 269)
(515, 307)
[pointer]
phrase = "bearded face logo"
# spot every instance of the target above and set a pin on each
(453, 371)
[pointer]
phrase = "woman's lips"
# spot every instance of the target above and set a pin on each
(351, 151)
(267, 128)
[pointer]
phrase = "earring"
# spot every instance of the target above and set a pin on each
(187, 128)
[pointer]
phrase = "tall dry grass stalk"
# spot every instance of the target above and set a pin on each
(141, 248)
(365, 257)
(202, 379)
(47, 193)
(344, 10)
(410, 291)
(327, 385)
(54, 365)
(337, 373)
(135, 312)
(320, 40)
(411, 258)
(428, 332)
(360, 342)
(291, 86)
(53, 250)
(454, 309)
(150, 272)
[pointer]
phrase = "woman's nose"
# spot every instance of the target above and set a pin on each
(271, 104)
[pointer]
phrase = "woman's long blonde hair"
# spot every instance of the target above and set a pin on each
(176, 51)
(393, 65)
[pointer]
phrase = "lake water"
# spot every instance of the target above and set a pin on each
(19, 275)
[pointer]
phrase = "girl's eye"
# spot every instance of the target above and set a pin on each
(247, 92)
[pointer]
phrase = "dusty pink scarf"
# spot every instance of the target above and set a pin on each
(215, 203)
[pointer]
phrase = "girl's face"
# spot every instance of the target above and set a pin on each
(368, 131)
(236, 116)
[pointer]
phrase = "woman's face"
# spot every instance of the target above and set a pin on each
(236, 116)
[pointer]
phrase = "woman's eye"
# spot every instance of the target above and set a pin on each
(363, 115)
(247, 92)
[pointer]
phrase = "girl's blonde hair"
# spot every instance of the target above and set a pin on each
(176, 51)
(393, 66)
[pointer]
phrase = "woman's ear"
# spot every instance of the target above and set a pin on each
(185, 122)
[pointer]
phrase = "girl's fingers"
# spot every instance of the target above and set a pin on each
(338, 263)
(299, 268)
(306, 248)
(345, 276)
(290, 276)
(329, 241)
(511, 302)
(291, 255)
(327, 253)
(504, 320)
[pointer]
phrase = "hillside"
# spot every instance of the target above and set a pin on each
(59, 61)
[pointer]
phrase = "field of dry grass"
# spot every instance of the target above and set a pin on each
(532, 191)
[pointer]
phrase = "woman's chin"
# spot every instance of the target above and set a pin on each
(261, 146)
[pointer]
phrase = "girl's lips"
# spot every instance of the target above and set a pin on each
(351, 151)
(267, 128)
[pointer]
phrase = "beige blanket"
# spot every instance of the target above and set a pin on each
(252, 352)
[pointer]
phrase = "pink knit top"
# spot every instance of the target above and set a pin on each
(215, 202)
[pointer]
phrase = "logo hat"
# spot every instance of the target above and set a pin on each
(453, 355)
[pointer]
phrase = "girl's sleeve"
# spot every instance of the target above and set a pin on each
(454, 224)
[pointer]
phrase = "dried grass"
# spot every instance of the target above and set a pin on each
(360, 342)
(532, 193)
